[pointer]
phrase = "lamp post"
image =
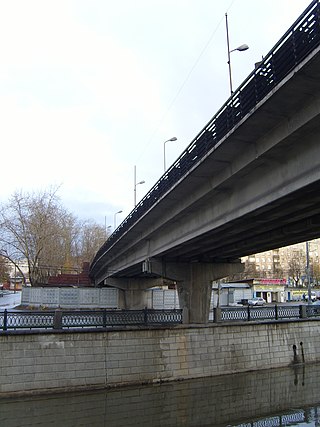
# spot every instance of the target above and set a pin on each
(308, 273)
(114, 219)
(164, 151)
(105, 226)
(135, 183)
(240, 49)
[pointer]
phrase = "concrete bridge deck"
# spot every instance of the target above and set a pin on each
(248, 182)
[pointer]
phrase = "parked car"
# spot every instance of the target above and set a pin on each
(257, 301)
(313, 296)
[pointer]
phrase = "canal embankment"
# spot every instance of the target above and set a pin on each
(37, 362)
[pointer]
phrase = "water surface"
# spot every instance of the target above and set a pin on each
(278, 397)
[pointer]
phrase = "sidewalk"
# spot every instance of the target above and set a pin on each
(10, 300)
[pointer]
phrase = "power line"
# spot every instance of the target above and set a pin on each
(203, 50)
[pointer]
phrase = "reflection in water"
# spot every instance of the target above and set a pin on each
(282, 397)
(301, 418)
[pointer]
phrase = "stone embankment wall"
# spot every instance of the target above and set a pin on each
(74, 360)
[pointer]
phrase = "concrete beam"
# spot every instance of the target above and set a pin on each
(140, 283)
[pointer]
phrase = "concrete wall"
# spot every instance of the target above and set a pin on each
(51, 361)
(69, 297)
(54, 297)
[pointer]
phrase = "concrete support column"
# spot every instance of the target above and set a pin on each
(195, 294)
(194, 283)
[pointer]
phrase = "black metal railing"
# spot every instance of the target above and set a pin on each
(26, 320)
(300, 40)
(67, 319)
(60, 319)
(269, 312)
(313, 310)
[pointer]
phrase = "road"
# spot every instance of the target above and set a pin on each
(9, 300)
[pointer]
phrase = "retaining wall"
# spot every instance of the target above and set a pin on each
(75, 360)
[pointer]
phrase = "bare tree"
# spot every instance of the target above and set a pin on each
(36, 229)
(4, 270)
(90, 239)
(297, 266)
(250, 270)
(315, 271)
(31, 224)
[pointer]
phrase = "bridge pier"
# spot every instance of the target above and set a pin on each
(195, 286)
(194, 283)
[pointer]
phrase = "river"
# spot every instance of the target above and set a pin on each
(277, 397)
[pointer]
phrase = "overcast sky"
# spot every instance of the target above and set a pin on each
(91, 88)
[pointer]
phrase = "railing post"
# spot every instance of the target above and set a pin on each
(57, 320)
(145, 315)
(217, 314)
(104, 318)
(303, 311)
(5, 320)
(248, 313)
(276, 311)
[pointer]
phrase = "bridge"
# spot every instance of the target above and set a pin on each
(248, 182)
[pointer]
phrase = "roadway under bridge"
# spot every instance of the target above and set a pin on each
(249, 182)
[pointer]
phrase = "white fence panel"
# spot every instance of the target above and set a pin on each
(165, 299)
(162, 299)
(109, 298)
(71, 297)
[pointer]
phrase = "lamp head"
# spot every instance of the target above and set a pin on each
(171, 139)
(242, 47)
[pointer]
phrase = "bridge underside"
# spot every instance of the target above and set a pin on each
(291, 219)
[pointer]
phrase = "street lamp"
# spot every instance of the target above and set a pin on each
(308, 273)
(114, 219)
(106, 228)
(164, 150)
(135, 183)
(240, 49)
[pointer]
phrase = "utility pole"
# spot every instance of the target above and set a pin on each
(308, 273)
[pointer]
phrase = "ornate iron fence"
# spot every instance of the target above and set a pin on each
(87, 319)
(313, 310)
(60, 319)
(269, 312)
(26, 320)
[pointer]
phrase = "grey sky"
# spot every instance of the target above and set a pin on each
(90, 88)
